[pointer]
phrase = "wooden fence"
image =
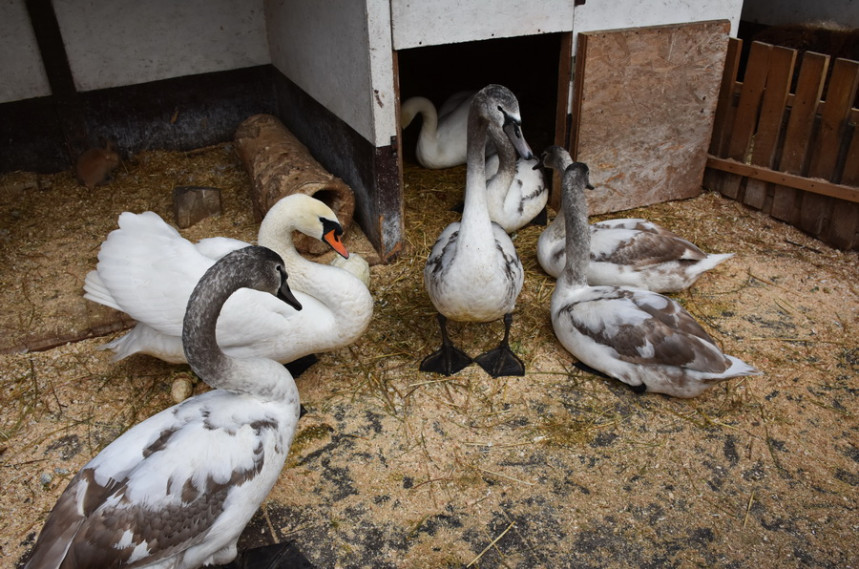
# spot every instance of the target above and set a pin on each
(785, 151)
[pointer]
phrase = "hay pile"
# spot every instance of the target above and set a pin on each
(394, 468)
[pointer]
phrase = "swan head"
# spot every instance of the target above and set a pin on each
(499, 106)
(253, 267)
(555, 157)
(300, 212)
(576, 176)
(558, 158)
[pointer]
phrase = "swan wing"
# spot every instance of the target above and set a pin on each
(256, 324)
(150, 270)
(639, 249)
(216, 247)
(163, 488)
(643, 328)
(636, 223)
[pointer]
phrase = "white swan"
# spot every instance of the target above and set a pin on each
(176, 490)
(147, 269)
(473, 273)
(442, 140)
(642, 338)
(629, 252)
(516, 191)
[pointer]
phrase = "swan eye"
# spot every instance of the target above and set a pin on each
(508, 118)
(331, 232)
(328, 226)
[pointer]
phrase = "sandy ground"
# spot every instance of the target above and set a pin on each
(394, 468)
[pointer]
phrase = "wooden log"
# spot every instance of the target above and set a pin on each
(280, 165)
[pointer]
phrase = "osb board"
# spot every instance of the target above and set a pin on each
(392, 468)
(42, 294)
(643, 111)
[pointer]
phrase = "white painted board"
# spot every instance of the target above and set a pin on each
(22, 75)
(417, 23)
(127, 42)
(339, 53)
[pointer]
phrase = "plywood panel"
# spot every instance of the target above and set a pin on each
(645, 101)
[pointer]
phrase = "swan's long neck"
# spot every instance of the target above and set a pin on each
(336, 288)
(261, 377)
(507, 159)
(423, 106)
(578, 235)
(275, 232)
(475, 215)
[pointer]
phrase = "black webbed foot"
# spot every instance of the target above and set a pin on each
(448, 359)
(501, 361)
(299, 366)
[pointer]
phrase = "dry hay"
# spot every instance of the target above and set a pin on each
(560, 468)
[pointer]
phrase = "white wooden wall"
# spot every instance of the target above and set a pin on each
(126, 42)
(338, 51)
(417, 23)
(23, 75)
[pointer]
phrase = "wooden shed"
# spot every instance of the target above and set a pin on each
(620, 83)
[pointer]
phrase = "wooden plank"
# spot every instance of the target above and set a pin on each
(725, 104)
(798, 133)
(562, 112)
(854, 112)
(745, 120)
(646, 98)
(843, 229)
(725, 110)
(793, 181)
(579, 77)
(816, 210)
(773, 108)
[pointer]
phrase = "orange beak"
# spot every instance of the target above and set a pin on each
(334, 241)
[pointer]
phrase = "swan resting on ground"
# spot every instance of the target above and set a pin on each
(640, 337)
(442, 139)
(157, 496)
(630, 252)
(148, 270)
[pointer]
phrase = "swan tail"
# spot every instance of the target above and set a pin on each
(144, 340)
(96, 291)
(738, 368)
(713, 260)
(703, 265)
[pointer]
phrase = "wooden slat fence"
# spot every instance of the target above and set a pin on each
(790, 154)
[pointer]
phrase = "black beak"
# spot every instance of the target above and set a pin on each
(285, 294)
